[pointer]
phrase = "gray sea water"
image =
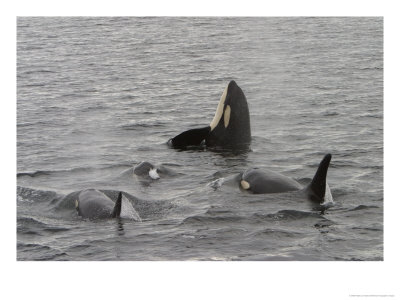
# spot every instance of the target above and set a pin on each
(96, 96)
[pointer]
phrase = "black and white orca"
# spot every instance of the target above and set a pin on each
(267, 182)
(230, 128)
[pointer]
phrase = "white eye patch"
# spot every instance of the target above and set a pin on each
(220, 108)
(245, 185)
(227, 115)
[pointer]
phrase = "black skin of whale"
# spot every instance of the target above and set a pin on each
(230, 128)
(267, 182)
(94, 204)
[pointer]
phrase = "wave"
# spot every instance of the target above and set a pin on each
(370, 68)
(34, 85)
(25, 194)
(289, 214)
(330, 114)
(368, 228)
(33, 174)
(362, 207)
(38, 71)
(33, 251)
(226, 216)
(137, 125)
(31, 225)
(277, 233)
(72, 170)
(206, 219)
(39, 123)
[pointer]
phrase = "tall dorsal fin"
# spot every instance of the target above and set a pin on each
(316, 189)
(117, 208)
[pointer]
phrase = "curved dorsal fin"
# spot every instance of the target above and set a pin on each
(117, 208)
(316, 189)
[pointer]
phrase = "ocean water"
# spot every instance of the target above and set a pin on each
(96, 96)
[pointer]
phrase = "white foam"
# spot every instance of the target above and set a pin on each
(217, 183)
(153, 174)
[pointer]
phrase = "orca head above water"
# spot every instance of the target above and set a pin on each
(229, 129)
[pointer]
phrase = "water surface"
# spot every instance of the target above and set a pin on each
(95, 96)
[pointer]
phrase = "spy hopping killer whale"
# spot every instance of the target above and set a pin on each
(268, 182)
(229, 129)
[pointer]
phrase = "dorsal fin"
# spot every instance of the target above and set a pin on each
(316, 189)
(117, 208)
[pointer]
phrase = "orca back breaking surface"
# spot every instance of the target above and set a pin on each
(268, 182)
(94, 204)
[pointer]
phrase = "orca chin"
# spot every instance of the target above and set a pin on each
(268, 182)
(229, 129)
